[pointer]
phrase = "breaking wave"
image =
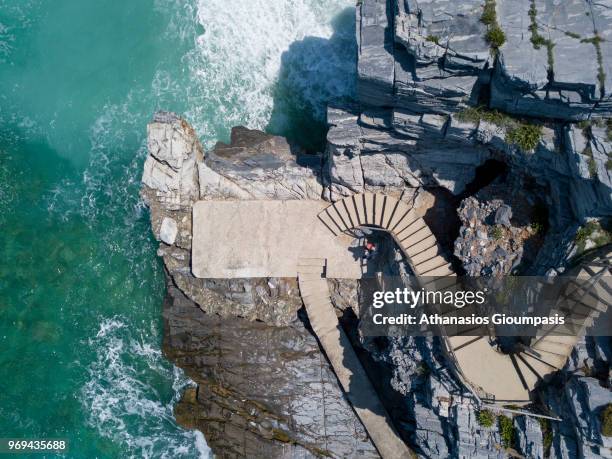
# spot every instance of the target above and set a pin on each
(126, 398)
(249, 62)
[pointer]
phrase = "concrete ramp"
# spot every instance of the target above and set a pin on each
(346, 364)
(244, 239)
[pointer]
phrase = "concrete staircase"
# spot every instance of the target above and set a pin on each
(410, 232)
(511, 377)
(346, 364)
(492, 375)
(581, 304)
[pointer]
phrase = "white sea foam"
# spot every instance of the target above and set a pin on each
(123, 399)
(233, 67)
(238, 57)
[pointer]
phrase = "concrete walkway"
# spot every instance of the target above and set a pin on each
(245, 239)
(310, 240)
(346, 364)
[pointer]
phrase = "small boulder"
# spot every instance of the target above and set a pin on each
(503, 216)
(168, 230)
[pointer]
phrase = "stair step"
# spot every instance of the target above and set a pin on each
(407, 225)
(578, 310)
(417, 236)
(411, 248)
(412, 228)
(368, 205)
(589, 271)
(428, 254)
(391, 205)
(329, 223)
(347, 203)
(446, 270)
(310, 269)
(528, 375)
(560, 339)
(357, 202)
(597, 297)
(566, 338)
(316, 297)
(344, 215)
(311, 283)
(403, 215)
(430, 264)
(312, 261)
(379, 207)
(550, 347)
(342, 223)
(557, 330)
(545, 365)
(573, 324)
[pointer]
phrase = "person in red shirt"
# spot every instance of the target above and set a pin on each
(369, 249)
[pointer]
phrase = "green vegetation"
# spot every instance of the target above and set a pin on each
(481, 113)
(573, 35)
(594, 231)
(547, 435)
(601, 74)
(506, 427)
(606, 420)
(486, 418)
(489, 14)
(539, 218)
(497, 232)
(524, 134)
(495, 36)
(592, 167)
(609, 165)
(433, 38)
(538, 40)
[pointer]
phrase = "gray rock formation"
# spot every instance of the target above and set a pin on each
(264, 389)
(529, 437)
(258, 166)
(579, 403)
(432, 56)
(488, 244)
(412, 129)
(563, 74)
(421, 65)
(170, 168)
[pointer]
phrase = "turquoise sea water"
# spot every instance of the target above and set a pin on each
(80, 286)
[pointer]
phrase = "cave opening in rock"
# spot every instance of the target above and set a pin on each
(485, 174)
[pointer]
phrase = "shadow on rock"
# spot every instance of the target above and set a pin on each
(314, 71)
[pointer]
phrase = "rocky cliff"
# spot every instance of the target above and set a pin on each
(491, 116)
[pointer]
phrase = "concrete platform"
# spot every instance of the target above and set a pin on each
(245, 239)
